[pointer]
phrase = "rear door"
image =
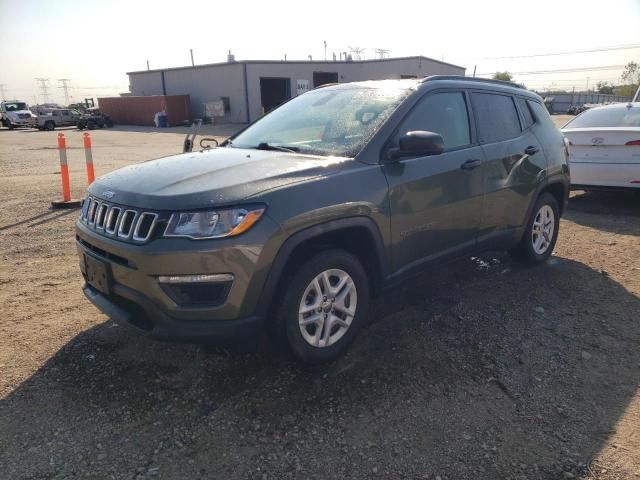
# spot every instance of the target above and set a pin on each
(436, 201)
(515, 162)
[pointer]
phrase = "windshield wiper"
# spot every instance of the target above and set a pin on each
(269, 146)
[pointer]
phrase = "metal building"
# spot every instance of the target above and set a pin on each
(250, 87)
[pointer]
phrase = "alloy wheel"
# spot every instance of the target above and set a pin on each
(543, 229)
(327, 308)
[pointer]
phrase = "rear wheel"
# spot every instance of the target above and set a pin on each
(91, 125)
(324, 305)
(540, 236)
(49, 125)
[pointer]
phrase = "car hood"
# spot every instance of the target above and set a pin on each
(18, 112)
(219, 176)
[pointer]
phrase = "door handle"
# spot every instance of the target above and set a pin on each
(531, 150)
(470, 164)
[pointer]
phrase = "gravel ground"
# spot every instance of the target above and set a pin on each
(477, 370)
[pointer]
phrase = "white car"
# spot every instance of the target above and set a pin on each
(604, 147)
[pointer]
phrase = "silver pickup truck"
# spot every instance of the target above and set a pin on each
(60, 117)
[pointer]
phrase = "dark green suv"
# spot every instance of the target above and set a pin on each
(291, 225)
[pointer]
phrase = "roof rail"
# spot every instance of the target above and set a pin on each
(470, 79)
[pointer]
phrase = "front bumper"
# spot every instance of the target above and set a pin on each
(137, 298)
(131, 308)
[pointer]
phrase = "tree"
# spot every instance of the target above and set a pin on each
(504, 76)
(605, 87)
(631, 77)
(631, 74)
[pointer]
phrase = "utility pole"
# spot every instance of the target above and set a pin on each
(44, 88)
(2, 91)
(588, 78)
(474, 71)
(325, 50)
(191, 51)
(65, 87)
(148, 65)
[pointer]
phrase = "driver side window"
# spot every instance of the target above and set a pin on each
(443, 113)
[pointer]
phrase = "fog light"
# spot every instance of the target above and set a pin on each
(205, 278)
(197, 290)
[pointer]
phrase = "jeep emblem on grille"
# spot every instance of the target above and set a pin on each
(108, 194)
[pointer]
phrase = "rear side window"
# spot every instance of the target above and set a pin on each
(442, 113)
(526, 113)
(496, 115)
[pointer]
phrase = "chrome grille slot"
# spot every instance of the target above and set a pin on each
(112, 220)
(85, 208)
(101, 215)
(127, 223)
(118, 221)
(91, 214)
(144, 226)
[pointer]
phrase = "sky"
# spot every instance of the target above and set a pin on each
(94, 43)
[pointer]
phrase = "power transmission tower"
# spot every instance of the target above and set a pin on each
(381, 53)
(44, 88)
(65, 87)
(2, 91)
(357, 52)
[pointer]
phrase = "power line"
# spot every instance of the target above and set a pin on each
(564, 70)
(65, 87)
(44, 88)
(570, 52)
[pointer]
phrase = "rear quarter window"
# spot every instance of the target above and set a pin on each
(496, 116)
(526, 113)
(541, 114)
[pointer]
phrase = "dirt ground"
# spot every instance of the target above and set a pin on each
(478, 370)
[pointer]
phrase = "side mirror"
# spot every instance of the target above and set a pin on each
(418, 143)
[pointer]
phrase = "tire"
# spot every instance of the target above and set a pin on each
(538, 242)
(91, 125)
(49, 125)
(348, 292)
(10, 125)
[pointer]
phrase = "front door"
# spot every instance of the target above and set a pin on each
(436, 201)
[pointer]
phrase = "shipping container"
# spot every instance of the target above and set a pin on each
(131, 110)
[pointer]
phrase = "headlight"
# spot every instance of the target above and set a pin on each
(212, 224)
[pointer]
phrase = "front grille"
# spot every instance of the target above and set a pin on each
(118, 222)
(24, 116)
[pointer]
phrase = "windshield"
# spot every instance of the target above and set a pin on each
(14, 107)
(324, 122)
(607, 117)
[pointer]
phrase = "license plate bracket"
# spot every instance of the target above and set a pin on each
(97, 274)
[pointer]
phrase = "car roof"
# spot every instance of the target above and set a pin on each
(439, 81)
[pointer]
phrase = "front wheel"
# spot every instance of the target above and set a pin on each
(324, 305)
(540, 236)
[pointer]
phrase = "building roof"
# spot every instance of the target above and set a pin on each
(289, 62)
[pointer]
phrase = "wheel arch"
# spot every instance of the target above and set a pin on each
(359, 236)
(560, 191)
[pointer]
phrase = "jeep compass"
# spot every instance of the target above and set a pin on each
(292, 224)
